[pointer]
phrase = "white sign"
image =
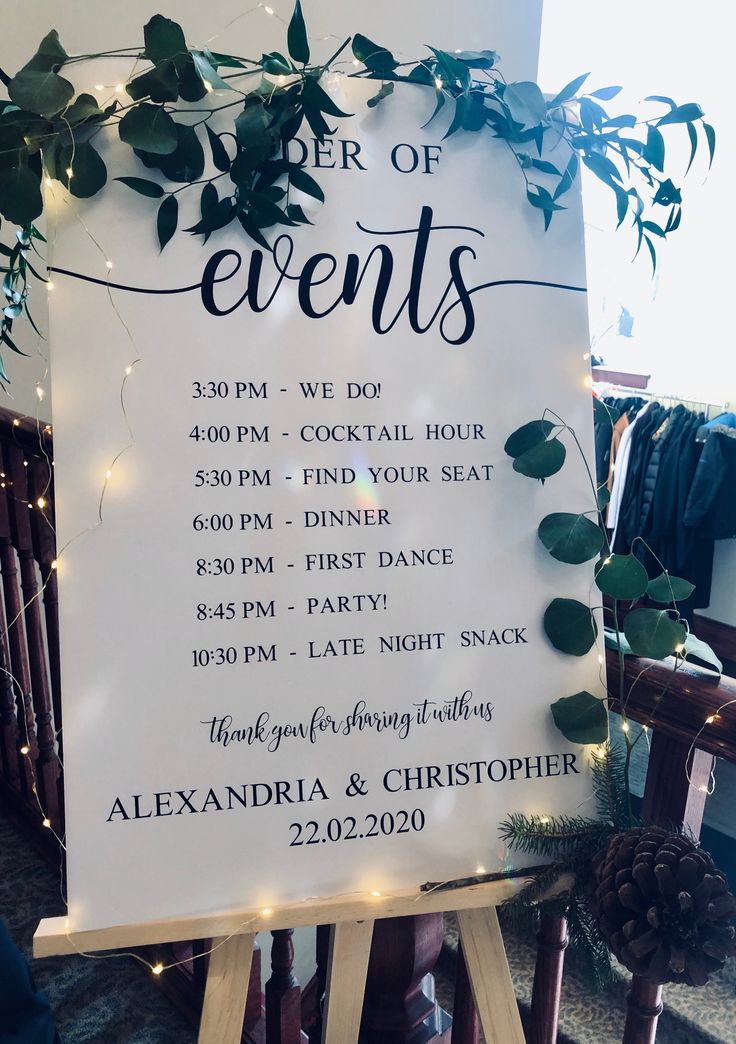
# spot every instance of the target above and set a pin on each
(303, 652)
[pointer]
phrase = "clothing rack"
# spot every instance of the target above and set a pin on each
(603, 387)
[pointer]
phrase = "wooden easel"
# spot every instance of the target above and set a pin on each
(350, 943)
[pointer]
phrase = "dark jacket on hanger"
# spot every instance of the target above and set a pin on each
(711, 504)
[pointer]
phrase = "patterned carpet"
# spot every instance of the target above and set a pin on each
(95, 1002)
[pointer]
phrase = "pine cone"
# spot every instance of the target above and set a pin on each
(663, 907)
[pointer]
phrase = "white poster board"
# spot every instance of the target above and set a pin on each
(303, 653)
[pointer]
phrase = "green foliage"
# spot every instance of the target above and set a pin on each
(570, 538)
(666, 588)
(44, 129)
(653, 633)
(621, 576)
(570, 626)
(582, 718)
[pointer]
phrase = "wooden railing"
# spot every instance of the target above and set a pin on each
(399, 1003)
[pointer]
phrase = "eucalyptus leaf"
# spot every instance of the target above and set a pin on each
(143, 187)
(167, 220)
(542, 460)
(150, 128)
(41, 90)
(20, 194)
(525, 102)
(83, 109)
(315, 97)
(668, 589)
(89, 173)
(570, 538)
(569, 91)
(653, 633)
(306, 183)
(570, 626)
(220, 156)
(622, 577)
(682, 114)
(582, 718)
(697, 649)
(208, 73)
(296, 36)
(527, 436)
(654, 148)
(163, 38)
(372, 55)
(275, 64)
(160, 84)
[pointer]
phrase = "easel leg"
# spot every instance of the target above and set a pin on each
(490, 977)
(350, 948)
(226, 991)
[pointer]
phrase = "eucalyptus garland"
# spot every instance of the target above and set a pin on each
(668, 920)
(49, 132)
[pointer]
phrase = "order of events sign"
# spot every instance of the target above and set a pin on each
(303, 652)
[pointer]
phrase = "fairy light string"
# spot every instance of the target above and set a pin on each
(41, 503)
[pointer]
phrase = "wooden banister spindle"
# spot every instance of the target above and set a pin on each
(16, 639)
(283, 996)
(10, 742)
(403, 951)
(322, 957)
(44, 547)
(47, 766)
(465, 1021)
(552, 942)
(669, 798)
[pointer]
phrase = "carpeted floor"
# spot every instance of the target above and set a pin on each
(110, 1001)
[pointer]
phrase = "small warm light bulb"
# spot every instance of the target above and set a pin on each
(376, 895)
(710, 719)
(47, 823)
(625, 727)
(119, 88)
(108, 264)
(128, 371)
(50, 284)
(600, 659)
(157, 968)
(108, 474)
(266, 911)
(41, 502)
(588, 381)
(25, 750)
(586, 355)
(438, 83)
(16, 423)
(607, 560)
(480, 869)
(680, 648)
(48, 182)
(267, 9)
(99, 86)
(355, 61)
(544, 820)
(39, 392)
(69, 172)
(54, 564)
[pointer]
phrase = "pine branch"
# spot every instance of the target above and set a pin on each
(553, 836)
(609, 785)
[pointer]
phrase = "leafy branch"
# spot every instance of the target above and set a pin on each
(46, 132)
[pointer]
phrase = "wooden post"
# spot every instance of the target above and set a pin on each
(350, 948)
(283, 996)
(465, 1021)
(226, 991)
(490, 976)
(404, 950)
(668, 798)
(552, 942)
